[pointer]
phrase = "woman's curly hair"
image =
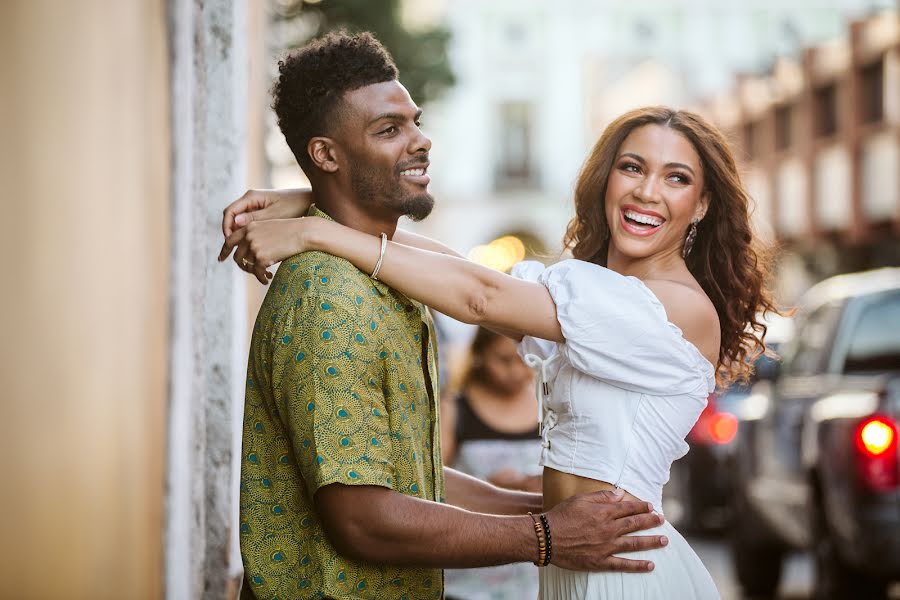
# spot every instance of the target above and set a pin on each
(307, 97)
(726, 260)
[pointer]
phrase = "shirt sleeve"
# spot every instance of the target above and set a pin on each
(617, 330)
(327, 386)
(530, 270)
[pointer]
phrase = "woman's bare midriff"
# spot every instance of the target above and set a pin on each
(558, 486)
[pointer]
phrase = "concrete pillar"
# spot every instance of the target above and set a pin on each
(209, 72)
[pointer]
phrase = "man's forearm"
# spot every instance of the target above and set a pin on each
(381, 526)
(476, 495)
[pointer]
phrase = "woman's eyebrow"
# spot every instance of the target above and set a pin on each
(670, 165)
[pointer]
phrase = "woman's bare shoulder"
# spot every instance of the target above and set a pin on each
(692, 311)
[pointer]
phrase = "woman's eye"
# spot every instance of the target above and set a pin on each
(679, 178)
(630, 168)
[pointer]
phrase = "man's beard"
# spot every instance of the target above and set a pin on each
(374, 189)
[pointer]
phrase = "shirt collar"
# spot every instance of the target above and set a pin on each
(315, 211)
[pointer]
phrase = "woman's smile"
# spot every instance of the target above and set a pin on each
(639, 221)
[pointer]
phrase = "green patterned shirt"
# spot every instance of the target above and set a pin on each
(336, 393)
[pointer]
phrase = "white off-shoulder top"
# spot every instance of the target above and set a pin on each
(619, 396)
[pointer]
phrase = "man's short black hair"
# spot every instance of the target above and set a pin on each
(312, 81)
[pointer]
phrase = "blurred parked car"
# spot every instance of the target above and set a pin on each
(817, 462)
(698, 497)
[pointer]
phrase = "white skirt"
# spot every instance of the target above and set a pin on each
(678, 574)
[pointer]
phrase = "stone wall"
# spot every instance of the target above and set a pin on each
(209, 72)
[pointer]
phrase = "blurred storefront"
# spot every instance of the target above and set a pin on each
(820, 140)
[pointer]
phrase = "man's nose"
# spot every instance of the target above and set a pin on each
(421, 143)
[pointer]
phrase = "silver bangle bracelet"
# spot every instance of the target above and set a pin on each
(380, 257)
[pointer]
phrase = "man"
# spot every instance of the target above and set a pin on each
(343, 493)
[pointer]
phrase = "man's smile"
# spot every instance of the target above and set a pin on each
(418, 174)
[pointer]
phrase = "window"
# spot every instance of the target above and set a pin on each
(784, 127)
(752, 139)
(825, 99)
(514, 158)
(812, 342)
(871, 99)
(875, 341)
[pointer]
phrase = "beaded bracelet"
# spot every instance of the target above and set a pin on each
(542, 545)
(546, 528)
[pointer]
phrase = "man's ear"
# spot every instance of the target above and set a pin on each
(323, 153)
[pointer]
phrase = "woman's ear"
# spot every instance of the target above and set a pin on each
(322, 152)
(703, 207)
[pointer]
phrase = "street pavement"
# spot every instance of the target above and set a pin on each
(796, 579)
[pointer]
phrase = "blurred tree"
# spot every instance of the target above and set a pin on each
(421, 56)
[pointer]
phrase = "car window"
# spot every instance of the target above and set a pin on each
(806, 352)
(875, 338)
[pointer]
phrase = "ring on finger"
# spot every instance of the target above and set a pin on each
(247, 263)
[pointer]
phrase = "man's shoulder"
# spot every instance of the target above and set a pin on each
(320, 276)
(309, 266)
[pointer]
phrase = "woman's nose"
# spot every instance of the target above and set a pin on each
(648, 190)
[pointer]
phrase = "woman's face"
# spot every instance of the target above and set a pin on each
(502, 367)
(655, 189)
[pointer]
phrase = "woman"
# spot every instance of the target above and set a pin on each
(630, 336)
(487, 430)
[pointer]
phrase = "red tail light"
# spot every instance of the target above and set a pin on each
(876, 441)
(713, 426)
(723, 427)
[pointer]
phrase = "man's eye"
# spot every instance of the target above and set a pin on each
(389, 130)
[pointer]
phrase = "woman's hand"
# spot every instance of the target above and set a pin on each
(262, 205)
(261, 244)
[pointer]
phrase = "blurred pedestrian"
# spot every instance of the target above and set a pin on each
(489, 430)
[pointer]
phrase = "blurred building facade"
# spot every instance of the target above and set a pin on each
(538, 82)
(820, 140)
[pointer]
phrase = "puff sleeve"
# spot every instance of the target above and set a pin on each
(617, 330)
(530, 270)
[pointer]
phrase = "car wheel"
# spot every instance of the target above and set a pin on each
(834, 578)
(757, 558)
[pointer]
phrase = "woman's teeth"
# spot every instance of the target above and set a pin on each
(643, 219)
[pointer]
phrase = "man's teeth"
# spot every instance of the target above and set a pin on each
(413, 172)
(642, 218)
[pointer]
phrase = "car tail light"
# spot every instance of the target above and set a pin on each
(876, 441)
(714, 426)
(723, 427)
